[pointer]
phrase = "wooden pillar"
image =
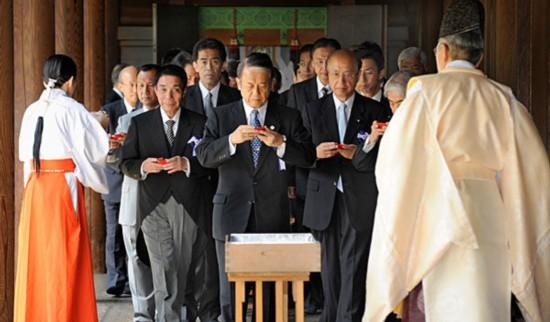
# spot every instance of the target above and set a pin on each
(94, 69)
(429, 21)
(7, 232)
(69, 37)
(33, 30)
(112, 47)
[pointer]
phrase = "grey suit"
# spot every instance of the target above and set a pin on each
(139, 275)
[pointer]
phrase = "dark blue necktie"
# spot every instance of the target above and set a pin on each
(255, 143)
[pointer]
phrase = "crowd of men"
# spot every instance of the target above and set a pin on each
(202, 148)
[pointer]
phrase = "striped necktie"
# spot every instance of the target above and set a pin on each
(169, 129)
(255, 143)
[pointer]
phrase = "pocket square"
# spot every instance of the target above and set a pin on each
(194, 141)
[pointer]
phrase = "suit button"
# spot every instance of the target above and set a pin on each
(334, 184)
(250, 202)
(254, 183)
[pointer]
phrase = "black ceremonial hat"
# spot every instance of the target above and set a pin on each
(462, 16)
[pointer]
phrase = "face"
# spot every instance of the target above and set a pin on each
(413, 65)
(255, 85)
(209, 66)
(169, 91)
(305, 69)
(192, 75)
(233, 82)
(128, 84)
(395, 100)
(319, 62)
(342, 74)
(146, 88)
(369, 78)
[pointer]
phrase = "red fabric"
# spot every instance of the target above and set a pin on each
(54, 280)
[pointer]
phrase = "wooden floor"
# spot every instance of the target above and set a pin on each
(113, 309)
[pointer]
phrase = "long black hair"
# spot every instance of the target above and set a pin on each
(57, 70)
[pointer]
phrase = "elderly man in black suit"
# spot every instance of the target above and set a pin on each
(115, 254)
(203, 288)
(251, 142)
(298, 96)
(159, 151)
(341, 188)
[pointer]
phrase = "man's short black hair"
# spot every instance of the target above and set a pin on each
(325, 42)
(172, 70)
(256, 60)
(307, 48)
(169, 55)
(370, 50)
(209, 43)
(182, 59)
(276, 75)
(232, 66)
(149, 67)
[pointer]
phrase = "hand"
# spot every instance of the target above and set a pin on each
(116, 140)
(242, 134)
(175, 164)
(327, 150)
(151, 165)
(348, 150)
(270, 138)
(376, 132)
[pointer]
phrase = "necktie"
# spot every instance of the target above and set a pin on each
(170, 131)
(255, 143)
(324, 92)
(342, 121)
(208, 106)
(342, 124)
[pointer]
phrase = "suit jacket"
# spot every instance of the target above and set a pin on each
(358, 180)
(298, 96)
(114, 178)
(193, 98)
(146, 138)
(240, 185)
(112, 96)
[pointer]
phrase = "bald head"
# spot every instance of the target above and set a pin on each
(127, 84)
(342, 70)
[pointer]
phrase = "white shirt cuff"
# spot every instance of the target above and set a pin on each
(232, 147)
(281, 150)
(143, 173)
(188, 170)
(367, 147)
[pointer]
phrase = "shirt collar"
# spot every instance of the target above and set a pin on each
(320, 86)
(348, 102)
(459, 63)
(215, 91)
(378, 96)
(165, 117)
(129, 108)
(248, 110)
(119, 93)
(147, 108)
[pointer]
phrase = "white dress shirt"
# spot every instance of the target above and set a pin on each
(129, 108)
(320, 87)
(378, 96)
(215, 91)
(262, 110)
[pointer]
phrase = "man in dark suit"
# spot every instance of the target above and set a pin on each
(371, 72)
(203, 288)
(160, 152)
(115, 254)
(251, 142)
(115, 94)
(298, 97)
(341, 194)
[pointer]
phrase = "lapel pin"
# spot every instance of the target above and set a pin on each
(272, 127)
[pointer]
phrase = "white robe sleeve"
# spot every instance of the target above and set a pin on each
(89, 146)
(415, 187)
(525, 189)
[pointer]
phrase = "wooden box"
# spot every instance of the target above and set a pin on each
(272, 253)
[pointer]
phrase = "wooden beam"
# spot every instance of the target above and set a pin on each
(7, 232)
(430, 15)
(94, 69)
(112, 47)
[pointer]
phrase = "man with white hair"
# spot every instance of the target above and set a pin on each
(396, 88)
(414, 60)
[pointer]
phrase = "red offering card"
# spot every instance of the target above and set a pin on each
(340, 146)
(162, 161)
(259, 128)
(382, 124)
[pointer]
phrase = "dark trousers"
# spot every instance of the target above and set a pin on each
(344, 256)
(115, 252)
(227, 290)
(313, 290)
(203, 291)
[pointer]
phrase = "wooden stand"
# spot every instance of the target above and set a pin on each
(278, 258)
(281, 293)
